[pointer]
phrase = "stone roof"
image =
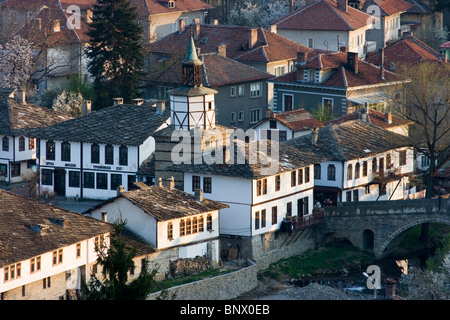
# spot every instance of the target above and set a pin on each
(164, 203)
(289, 158)
(324, 15)
(350, 140)
(20, 118)
(269, 47)
(122, 124)
(296, 120)
(409, 50)
(18, 215)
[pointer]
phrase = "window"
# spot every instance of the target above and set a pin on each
(116, 181)
(255, 90)
(89, 180)
(264, 187)
(5, 142)
(31, 144)
(300, 176)
(256, 220)
(102, 181)
(279, 71)
(207, 184)
(123, 156)
(349, 196)
(194, 225)
(355, 195)
(46, 283)
(200, 224)
(209, 222)
(374, 165)
(331, 172)
(50, 150)
(109, 154)
(273, 124)
(293, 178)
(349, 172)
(233, 91)
(255, 115)
(241, 116)
(195, 183)
(47, 177)
(258, 187)
(171, 4)
(402, 158)
(233, 117)
(302, 206)
(15, 169)
(367, 189)
(289, 209)
(263, 218)
(424, 161)
(182, 227)
(307, 177)
(317, 169)
(78, 250)
(241, 90)
(21, 144)
(274, 215)
(95, 153)
(364, 169)
(65, 151)
(327, 106)
(357, 170)
(283, 135)
(277, 182)
(74, 179)
(170, 231)
(188, 226)
(57, 257)
(310, 43)
(388, 161)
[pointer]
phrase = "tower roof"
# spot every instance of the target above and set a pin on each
(191, 57)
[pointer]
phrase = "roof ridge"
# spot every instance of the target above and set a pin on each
(344, 76)
(289, 15)
(340, 17)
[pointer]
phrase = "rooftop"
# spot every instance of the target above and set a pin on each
(388, 7)
(296, 120)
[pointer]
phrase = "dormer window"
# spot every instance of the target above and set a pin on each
(171, 4)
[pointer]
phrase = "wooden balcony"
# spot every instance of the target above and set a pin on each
(300, 222)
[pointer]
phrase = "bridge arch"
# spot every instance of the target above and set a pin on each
(386, 247)
(337, 237)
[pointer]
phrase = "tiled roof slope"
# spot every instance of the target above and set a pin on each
(406, 50)
(324, 15)
(164, 203)
(218, 71)
(388, 7)
(151, 7)
(376, 118)
(19, 242)
(296, 120)
(350, 140)
(20, 118)
(419, 7)
(268, 47)
(121, 124)
(289, 159)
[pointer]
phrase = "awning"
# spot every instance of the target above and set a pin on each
(370, 98)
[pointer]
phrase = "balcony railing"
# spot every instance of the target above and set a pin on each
(300, 222)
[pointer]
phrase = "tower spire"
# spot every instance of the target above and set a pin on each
(192, 67)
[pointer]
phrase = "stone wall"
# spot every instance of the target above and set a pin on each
(222, 287)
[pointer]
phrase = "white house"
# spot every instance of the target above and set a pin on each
(327, 25)
(167, 218)
(92, 155)
(50, 251)
(17, 146)
(363, 162)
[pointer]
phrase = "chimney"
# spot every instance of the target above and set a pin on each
(20, 96)
(56, 26)
(160, 184)
(138, 101)
(343, 49)
(222, 50)
(199, 195)
(118, 101)
(342, 5)
(382, 63)
(197, 29)
(314, 136)
(253, 38)
(302, 57)
(41, 229)
(406, 35)
(364, 113)
(215, 22)
(352, 61)
(172, 183)
(388, 117)
(291, 5)
(273, 28)
(86, 108)
(104, 216)
(181, 25)
(38, 23)
(160, 107)
(59, 221)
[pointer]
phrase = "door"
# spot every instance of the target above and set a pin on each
(287, 102)
(60, 182)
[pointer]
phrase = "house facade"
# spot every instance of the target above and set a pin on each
(91, 156)
(375, 166)
(167, 218)
(17, 146)
(327, 25)
(53, 251)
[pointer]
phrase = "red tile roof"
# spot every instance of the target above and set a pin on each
(150, 7)
(324, 15)
(298, 120)
(268, 47)
(406, 50)
(388, 7)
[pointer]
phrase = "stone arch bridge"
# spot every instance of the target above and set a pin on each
(378, 226)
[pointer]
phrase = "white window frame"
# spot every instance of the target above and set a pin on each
(311, 40)
(241, 90)
(256, 93)
(233, 91)
(277, 70)
(255, 115)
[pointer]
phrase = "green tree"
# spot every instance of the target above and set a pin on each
(115, 51)
(116, 260)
